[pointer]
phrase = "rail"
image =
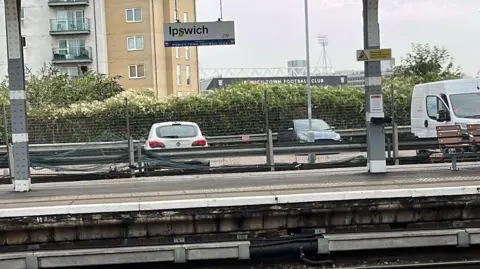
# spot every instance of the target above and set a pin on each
(212, 140)
(219, 152)
(166, 157)
(130, 153)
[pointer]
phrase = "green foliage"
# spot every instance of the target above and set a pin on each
(426, 64)
(92, 107)
(52, 88)
(239, 109)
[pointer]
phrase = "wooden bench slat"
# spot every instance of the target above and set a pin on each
(451, 140)
(474, 132)
(448, 127)
(473, 126)
(444, 146)
(453, 133)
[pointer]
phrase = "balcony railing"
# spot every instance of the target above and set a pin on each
(80, 54)
(60, 3)
(70, 27)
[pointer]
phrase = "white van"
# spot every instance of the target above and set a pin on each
(444, 103)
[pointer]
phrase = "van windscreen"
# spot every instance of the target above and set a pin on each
(466, 105)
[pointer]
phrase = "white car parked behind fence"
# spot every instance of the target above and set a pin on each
(179, 134)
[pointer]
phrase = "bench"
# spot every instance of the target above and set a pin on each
(474, 136)
(454, 143)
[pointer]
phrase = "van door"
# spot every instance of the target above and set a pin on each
(434, 104)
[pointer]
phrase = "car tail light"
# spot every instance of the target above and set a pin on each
(156, 144)
(199, 143)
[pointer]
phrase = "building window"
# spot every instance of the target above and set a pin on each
(72, 48)
(179, 75)
(70, 71)
(187, 74)
(134, 14)
(22, 13)
(136, 71)
(185, 17)
(24, 41)
(135, 43)
(70, 20)
(177, 52)
(187, 53)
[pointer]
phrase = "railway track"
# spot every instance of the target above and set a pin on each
(444, 265)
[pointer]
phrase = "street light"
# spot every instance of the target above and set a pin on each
(311, 157)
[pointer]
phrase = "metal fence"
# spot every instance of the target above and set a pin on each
(121, 123)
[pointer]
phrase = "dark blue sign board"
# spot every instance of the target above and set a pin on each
(333, 81)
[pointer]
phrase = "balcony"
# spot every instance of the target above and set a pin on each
(72, 55)
(63, 3)
(70, 27)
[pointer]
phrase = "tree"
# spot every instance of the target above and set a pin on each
(51, 87)
(426, 64)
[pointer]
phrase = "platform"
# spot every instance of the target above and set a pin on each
(180, 219)
(238, 190)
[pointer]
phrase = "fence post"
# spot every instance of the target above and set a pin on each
(140, 157)
(11, 162)
(389, 147)
(266, 110)
(394, 129)
(127, 118)
(268, 132)
(270, 155)
(131, 157)
(9, 147)
(5, 124)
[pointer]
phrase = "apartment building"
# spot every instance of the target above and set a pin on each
(115, 37)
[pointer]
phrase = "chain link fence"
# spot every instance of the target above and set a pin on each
(126, 121)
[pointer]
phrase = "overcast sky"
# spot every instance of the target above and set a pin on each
(271, 32)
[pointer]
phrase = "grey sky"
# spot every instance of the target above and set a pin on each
(271, 32)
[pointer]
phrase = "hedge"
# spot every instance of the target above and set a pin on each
(239, 109)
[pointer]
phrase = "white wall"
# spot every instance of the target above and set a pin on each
(40, 43)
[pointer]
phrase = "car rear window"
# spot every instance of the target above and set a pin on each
(177, 131)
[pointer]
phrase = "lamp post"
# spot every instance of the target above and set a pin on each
(310, 136)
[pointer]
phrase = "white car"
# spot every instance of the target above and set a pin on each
(178, 134)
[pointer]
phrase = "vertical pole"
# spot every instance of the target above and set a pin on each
(5, 125)
(131, 156)
(269, 145)
(11, 161)
(131, 150)
(177, 19)
(270, 154)
(18, 99)
(310, 136)
(7, 144)
(373, 87)
(140, 158)
(127, 118)
(267, 111)
(394, 129)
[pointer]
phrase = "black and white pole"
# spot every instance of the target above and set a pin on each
(18, 100)
(373, 90)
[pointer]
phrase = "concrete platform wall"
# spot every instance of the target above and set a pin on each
(233, 223)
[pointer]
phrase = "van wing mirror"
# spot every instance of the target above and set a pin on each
(443, 116)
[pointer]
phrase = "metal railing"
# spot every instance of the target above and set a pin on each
(62, 26)
(72, 54)
(212, 140)
(131, 151)
(68, 2)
